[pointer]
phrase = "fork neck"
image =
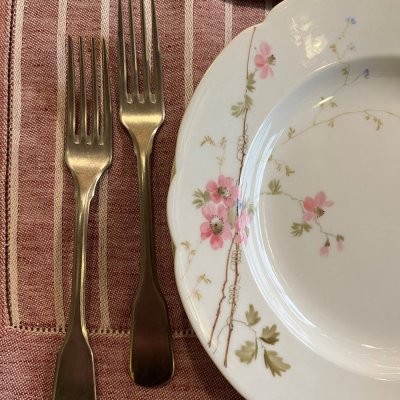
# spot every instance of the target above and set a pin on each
(83, 195)
(147, 254)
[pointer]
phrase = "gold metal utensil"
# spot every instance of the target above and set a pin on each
(87, 156)
(142, 113)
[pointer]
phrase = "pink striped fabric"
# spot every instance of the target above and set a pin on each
(36, 196)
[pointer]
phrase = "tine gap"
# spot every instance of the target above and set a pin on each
(133, 55)
(145, 60)
(82, 99)
(122, 67)
(149, 45)
(106, 135)
(137, 8)
(94, 87)
(157, 81)
(71, 103)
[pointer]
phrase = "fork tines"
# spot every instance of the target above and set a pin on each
(97, 135)
(147, 94)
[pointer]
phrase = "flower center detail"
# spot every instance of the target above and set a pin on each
(319, 212)
(271, 60)
(224, 192)
(217, 224)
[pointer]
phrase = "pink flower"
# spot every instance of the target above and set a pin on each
(224, 189)
(324, 251)
(315, 206)
(241, 225)
(264, 59)
(339, 242)
(217, 227)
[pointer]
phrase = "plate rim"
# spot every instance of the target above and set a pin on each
(178, 170)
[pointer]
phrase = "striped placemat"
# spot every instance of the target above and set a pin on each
(36, 195)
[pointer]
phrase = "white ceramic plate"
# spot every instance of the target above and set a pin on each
(285, 206)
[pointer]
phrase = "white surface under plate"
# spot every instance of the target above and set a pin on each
(284, 209)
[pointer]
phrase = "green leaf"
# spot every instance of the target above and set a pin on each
(332, 104)
(223, 142)
(275, 363)
(250, 86)
(197, 295)
(275, 186)
(186, 244)
(299, 228)
(247, 352)
(291, 132)
(270, 335)
(248, 101)
(207, 140)
(252, 316)
(331, 123)
(289, 171)
(200, 198)
(345, 71)
(251, 209)
(379, 123)
(307, 227)
(238, 109)
(232, 215)
(204, 278)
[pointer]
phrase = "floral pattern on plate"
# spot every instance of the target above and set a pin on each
(226, 221)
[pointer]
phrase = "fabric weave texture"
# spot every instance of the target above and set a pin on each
(37, 205)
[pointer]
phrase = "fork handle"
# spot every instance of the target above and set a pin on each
(75, 378)
(152, 362)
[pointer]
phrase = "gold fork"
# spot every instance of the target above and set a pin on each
(151, 358)
(87, 157)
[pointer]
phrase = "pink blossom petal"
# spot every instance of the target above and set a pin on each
(222, 211)
(320, 198)
(230, 183)
(216, 242)
(205, 230)
(208, 211)
(324, 251)
(328, 203)
(224, 181)
(226, 234)
(229, 201)
(212, 186)
(234, 192)
(215, 197)
(265, 49)
(340, 245)
(309, 204)
(308, 216)
(264, 72)
(259, 61)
